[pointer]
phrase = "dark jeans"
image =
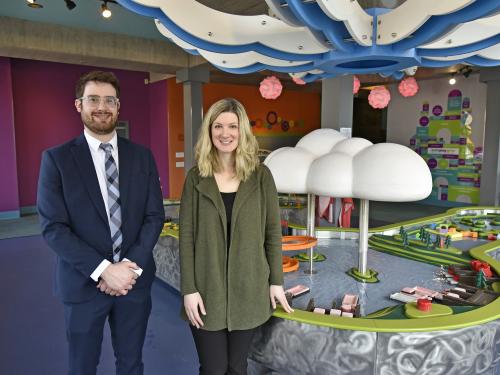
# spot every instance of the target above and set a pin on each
(222, 352)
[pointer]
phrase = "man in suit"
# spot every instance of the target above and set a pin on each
(101, 211)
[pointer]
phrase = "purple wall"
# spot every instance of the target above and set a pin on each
(43, 95)
(159, 130)
(9, 195)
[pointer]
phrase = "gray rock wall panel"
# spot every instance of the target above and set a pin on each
(466, 351)
(293, 348)
(288, 347)
(166, 256)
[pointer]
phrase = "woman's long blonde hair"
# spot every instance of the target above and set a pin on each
(206, 154)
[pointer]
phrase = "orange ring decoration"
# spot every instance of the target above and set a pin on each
(298, 242)
(289, 264)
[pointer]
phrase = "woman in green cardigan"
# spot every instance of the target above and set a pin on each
(230, 241)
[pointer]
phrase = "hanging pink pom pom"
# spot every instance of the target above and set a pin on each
(270, 87)
(379, 97)
(408, 87)
(298, 81)
(355, 85)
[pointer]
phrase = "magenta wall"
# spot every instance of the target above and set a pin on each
(9, 197)
(159, 130)
(45, 115)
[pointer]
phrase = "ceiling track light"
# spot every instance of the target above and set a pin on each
(465, 71)
(70, 4)
(452, 80)
(105, 11)
(33, 4)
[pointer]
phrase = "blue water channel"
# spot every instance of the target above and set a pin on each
(331, 282)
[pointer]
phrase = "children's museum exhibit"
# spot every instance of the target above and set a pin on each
(417, 296)
(374, 300)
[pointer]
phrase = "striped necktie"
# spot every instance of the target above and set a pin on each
(115, 213)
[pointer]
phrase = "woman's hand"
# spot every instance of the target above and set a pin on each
(193, 304)
(277, 292)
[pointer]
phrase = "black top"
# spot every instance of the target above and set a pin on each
(228, 199)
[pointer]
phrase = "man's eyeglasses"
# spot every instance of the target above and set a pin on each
(95, 100)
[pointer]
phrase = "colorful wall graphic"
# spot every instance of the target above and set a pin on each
(443, 140)
(275, 125)
(302, 111)
(293, 114)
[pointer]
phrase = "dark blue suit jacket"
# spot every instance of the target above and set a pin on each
(73, 215)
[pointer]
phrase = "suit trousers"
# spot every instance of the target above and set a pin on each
(128, 318)
(222, 352)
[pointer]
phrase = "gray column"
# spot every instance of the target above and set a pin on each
(192, 80)
(490, 173)
(336, 102)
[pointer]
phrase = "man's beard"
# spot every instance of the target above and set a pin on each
(100, 127)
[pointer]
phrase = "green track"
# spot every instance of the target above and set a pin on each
(387, 244)
(422, 249)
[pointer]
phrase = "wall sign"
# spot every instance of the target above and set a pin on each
(443, 139)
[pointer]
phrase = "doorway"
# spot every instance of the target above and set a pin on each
(368, 122)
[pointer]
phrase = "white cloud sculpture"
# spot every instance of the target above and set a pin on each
(324, 162)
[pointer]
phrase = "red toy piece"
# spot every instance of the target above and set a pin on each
(451, 270)
(477, 265)
(492, 237)
(423, 304)
(345, 214)
(485, 267)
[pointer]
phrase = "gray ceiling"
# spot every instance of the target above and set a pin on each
(86, 15)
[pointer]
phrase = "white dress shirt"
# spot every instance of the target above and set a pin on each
(98, 157)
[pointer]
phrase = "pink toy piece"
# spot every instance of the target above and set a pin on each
(421, 295)
(297, 290)
(408, 290)
(346, 308)
(408, 87)
(379, 97)
(270, 87)
(403, 297)
(355, 85)
(349, 303)
(350, 299)
(335, 312)
(425, 291)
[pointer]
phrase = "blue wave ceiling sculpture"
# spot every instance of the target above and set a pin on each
(319, 39)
